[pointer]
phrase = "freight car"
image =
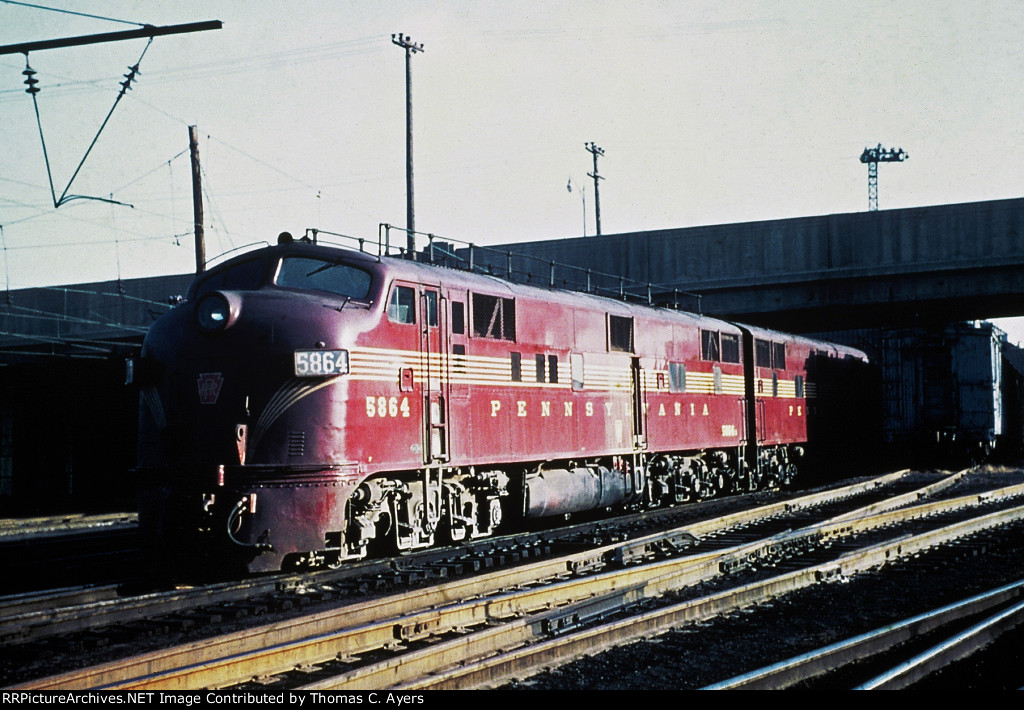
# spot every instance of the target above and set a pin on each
(944, 392)
(306, 404)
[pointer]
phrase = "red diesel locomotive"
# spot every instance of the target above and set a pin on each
(307, 403)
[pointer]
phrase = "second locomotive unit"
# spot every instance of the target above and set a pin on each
(306, 404)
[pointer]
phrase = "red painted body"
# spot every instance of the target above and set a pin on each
(465, 401)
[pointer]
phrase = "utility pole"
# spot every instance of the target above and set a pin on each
(197, 199)
(874, 156)
(596, 151)
(410, 216)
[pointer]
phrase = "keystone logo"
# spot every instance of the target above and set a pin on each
(209, 387)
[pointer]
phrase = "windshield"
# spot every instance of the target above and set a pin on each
(245, 276)
(320, 275)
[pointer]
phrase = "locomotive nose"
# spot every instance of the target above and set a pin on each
(218, 311)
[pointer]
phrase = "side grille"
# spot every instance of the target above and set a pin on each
(296, 443)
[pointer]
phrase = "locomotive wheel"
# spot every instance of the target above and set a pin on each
(720, 483)
(790, 475)
(495, 514)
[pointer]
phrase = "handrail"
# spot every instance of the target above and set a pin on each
(503, 263)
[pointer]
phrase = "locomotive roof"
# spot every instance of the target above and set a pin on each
(428, 274)
(833, 349)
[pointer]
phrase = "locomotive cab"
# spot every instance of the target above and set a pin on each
(295, 413)
(242, 403)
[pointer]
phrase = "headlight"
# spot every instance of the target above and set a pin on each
(213, 313)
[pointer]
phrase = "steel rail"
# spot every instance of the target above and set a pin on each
(308, 641)
(949, 651)
(906, 498)
(835, 656)
(343, 632)
(20, 624)
(588, 598)
(358, 614)
(844, 525)
(64, 524)
(525, 660)
(45, 602)
(640, 548)
(632, 591)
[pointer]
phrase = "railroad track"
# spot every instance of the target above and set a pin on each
(551, 610)
(552, 637)
(40, 615)
(72, 522)
(59, 551)
(953, 632)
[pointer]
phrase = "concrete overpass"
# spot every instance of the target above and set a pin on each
(844, 271)
(886, 268)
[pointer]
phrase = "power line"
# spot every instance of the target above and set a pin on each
(262, 162)
(71, 12)
(92, 242)
(222, 68)
(146, 174)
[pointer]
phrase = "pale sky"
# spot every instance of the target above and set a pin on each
(708, 112)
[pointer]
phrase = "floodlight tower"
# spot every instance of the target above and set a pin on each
(874, 156)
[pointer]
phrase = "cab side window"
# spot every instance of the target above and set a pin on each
(730, 347)
(494, 317)
(709, 347)
(431, 305)
(458, 318)
(402, 306)
(762, 353)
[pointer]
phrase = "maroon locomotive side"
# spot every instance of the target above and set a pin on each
(306, 404)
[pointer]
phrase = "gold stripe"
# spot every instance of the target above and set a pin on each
(602, 372)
